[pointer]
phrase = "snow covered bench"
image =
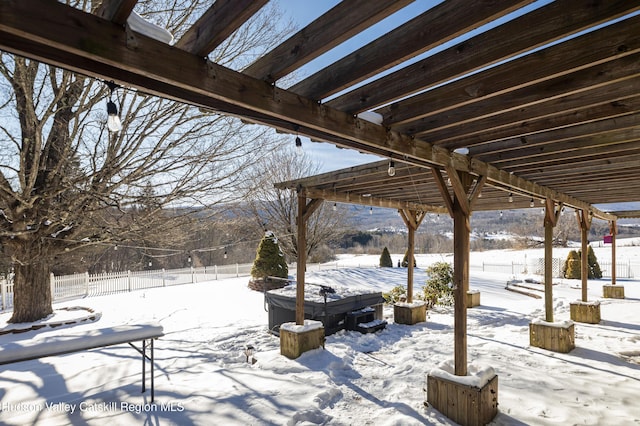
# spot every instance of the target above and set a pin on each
(62, 344)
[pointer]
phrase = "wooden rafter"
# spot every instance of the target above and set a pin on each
(444, 21)
(483, 50)
(334, 27)
(216, 24)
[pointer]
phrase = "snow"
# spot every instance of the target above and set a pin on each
(203, 377)
(308, 325)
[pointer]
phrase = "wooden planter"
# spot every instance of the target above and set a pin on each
(556, 336)
(610, 291)
(586, 312)
(463, 403)
(473, 298)
(409, 313)
(297, 339)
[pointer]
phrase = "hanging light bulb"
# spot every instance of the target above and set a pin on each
(532, 203)
(335, 207)
(510, 197)
(392, 168)
(298, 144)
(225, 253)
(113, 119)
(370, 210)
(500, 213)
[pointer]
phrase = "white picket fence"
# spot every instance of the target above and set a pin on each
(85, 285)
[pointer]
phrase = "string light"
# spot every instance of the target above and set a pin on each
(113, 120)
(370, 210)
(510, 197)
(392, 168)
(335, 207)
(532, 203)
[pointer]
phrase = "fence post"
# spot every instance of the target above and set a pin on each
(629, 260)
(129, 280)
(215, 270)
(3, 290)
(86, 284)
(237, 270)
(52, 284)
(163, 278)
(193, 276)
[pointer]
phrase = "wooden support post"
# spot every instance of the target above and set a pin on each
(412, 220)
(613, 231)
(461, 286)
(548, 271)
(550, 220)
(584, 219)
(460, 209)
(304, 212)
(302, 259)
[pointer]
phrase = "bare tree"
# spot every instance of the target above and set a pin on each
(66, 182)
(276, 210)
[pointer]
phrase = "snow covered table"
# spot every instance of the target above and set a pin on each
(66, 343)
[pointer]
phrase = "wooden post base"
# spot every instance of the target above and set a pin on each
(586, 312)
(409, 313)
(464, 404)
(611, 291)
(297, 339)
(557, 337)
(473, 298)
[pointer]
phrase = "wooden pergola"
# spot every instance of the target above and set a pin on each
(543, 105)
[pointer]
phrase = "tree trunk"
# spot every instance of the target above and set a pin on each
(32, 292)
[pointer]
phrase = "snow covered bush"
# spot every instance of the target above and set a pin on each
(439, 287)
(397, 294)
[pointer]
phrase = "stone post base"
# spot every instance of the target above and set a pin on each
(297, 339)
(610, 291)
(553, 336)
(587, 312)
(463, 403)
(409, 313)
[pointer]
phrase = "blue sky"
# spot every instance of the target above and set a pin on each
(303, 12)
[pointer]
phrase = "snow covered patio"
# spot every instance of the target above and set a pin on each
(202, 376)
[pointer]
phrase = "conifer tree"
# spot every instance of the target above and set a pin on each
(270, 261)
(594, 267)
(405, 260)
(385, 259)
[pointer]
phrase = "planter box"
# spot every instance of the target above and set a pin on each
(553, 336)
(409, 313)
(586, 312)
(473, 298)
(613, 291)
(463, 403)
(298, 339)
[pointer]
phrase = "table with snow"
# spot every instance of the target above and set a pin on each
(69, 342)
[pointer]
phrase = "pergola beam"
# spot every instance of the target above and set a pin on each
(69, 38)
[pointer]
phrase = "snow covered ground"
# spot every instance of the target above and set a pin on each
(202, 376)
